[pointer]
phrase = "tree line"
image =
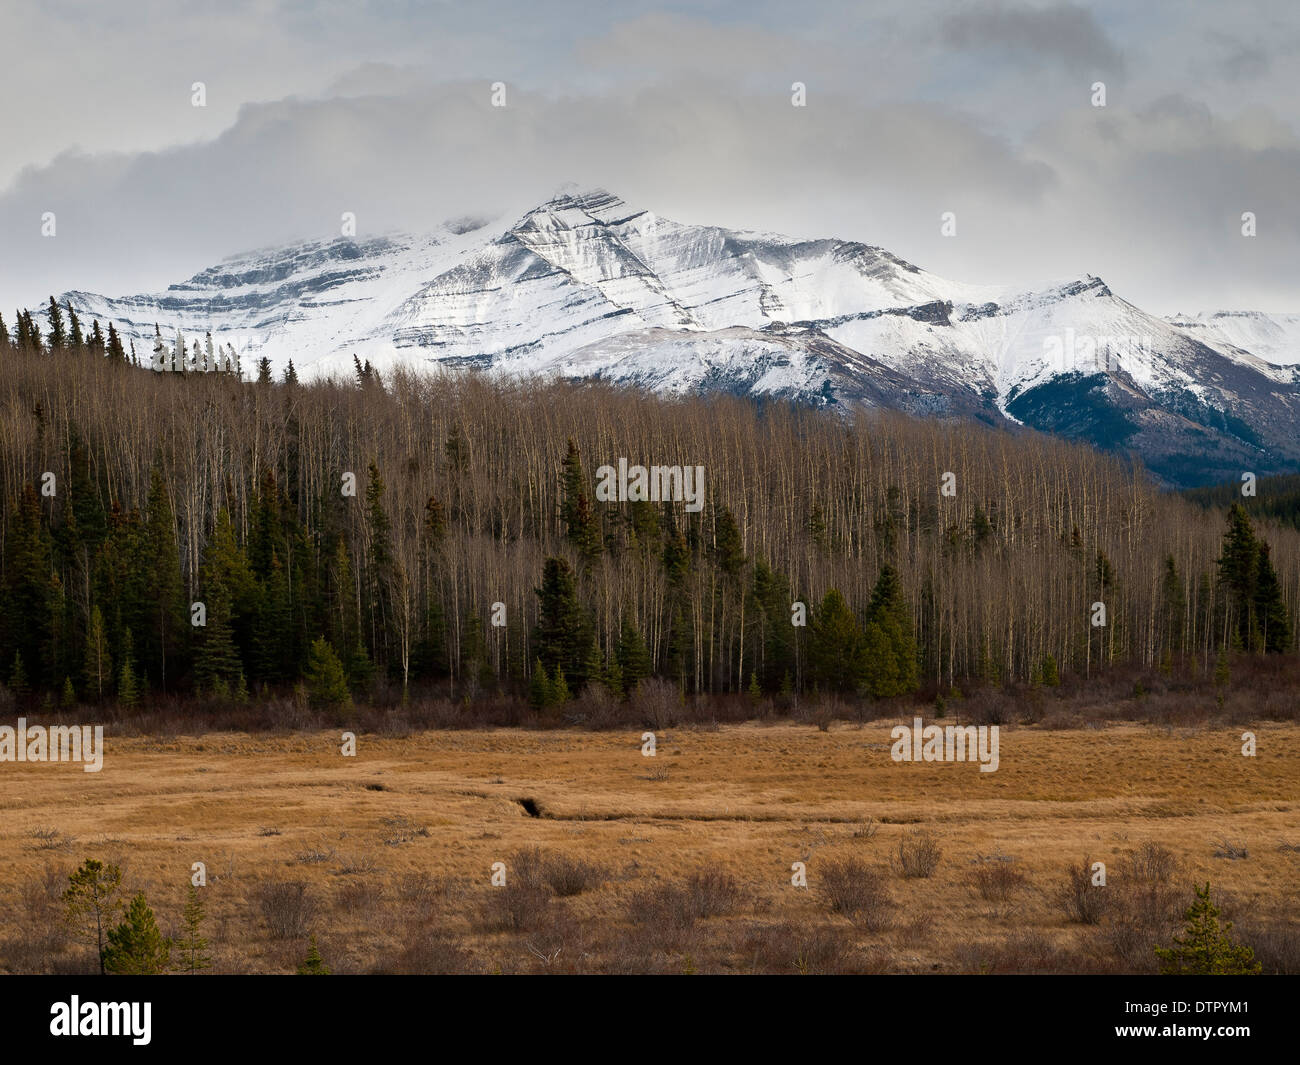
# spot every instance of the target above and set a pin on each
(210, 535)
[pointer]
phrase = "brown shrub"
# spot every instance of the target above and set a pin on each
(918, 855)
(859, 892)
(288, 906)
(996, 881)
(1082, 902)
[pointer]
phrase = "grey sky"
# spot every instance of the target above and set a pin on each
(914, 109)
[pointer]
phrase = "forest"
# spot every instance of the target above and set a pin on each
(365, 538)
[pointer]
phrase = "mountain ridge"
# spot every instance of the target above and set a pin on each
(586, 286)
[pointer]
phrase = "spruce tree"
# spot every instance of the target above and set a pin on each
(837, 648)
(327, 687)
(90, 902)
(115, 354)
(632, 655)
(313, 965)
(582, 525)
(1239, 572)
(57, 339)
(1271, 614)
(99, 663)
(892, 657)
(136, 947)
(191, 950)
(164, 592)
(75, 340)
(1205, 948)
(564, 635)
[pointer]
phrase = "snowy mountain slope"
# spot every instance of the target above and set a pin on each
(585, 286)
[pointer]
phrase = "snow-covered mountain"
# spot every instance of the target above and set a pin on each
(585, 286)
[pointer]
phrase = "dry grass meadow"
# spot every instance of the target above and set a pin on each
(676, 863)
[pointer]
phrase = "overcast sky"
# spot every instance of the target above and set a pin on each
(914, 108)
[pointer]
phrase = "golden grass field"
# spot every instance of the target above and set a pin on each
(442, 807)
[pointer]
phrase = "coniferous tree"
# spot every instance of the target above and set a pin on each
(136, 947)
(115, 354)
(327, 687)
(582, 526)
(1205, 948)
(99, 662)
(1239, 572)
(632, 656)
(892, 662)
(1271, 613)
(76, 342)
(837, 650)
(313, 965)
(57, 339)
(28, 603)
(563, 637)
(163, 591)
(191, 950)
(90, 902)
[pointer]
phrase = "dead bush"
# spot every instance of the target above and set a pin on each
(1152, 863)
(1082, 901)
(803, 948)
(288, 906)
(996, 881)
(570, 876)
(712, 893)
(859, 892)
(657, 703)
(520, 906)
(918, 855)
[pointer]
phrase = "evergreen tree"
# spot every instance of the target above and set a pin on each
(1270, 608)
(290, 374)
(728, 550)
(893, 666)
(18, 683)
(216, 664)
(115, 354)
(1239, 572)
(163, 590)
(136, 947)
(564, 636)
(90, 902)
(28, 604)
(75, 340)
(99, 662)
(837, 648)
(263, 371)
(1174, 603)
(327, 687)
(192, 948)
(313, 965)
(1205, 949)
(582, 526)
(128, 684)
(57, 339)
(96, 342)
(4, 336)
(541, 694)
(632, 656)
